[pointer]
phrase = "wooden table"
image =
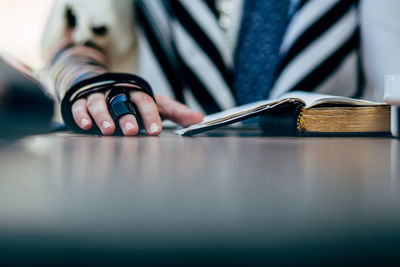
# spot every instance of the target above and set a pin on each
(230, 197)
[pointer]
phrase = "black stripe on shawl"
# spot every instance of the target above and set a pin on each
(328, 67)
(202, 40)
(317, 29)
(199, 90)
(302, 3)
(212, 7)
(171, 73)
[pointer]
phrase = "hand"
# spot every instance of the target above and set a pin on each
(151, 113)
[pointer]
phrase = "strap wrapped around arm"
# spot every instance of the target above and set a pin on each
(118, 83)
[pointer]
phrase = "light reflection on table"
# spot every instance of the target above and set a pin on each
(202, 191)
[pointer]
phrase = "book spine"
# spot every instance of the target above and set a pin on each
(282, 121)
(395, 121)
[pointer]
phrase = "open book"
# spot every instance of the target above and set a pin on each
(299, 113)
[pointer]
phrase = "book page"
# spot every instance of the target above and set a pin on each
(234, 114)
(315, 99)
(237, 110)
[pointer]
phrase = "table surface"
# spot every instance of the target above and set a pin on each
(230, 196)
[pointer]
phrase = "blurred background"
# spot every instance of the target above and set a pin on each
(21, 25)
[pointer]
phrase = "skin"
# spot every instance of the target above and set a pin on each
(94, 106)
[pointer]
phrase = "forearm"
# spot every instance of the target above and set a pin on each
(72, 64)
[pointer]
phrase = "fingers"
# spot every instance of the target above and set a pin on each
(177, 112)
(97, 107)
(81, 115)
(148, 111)
(129, 125)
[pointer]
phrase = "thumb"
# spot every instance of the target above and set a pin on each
(177, 112)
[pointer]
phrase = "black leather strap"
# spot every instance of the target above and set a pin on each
(119, 104)
(118, 100)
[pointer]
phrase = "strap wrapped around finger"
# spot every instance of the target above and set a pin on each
(119, 105)
(118, 101)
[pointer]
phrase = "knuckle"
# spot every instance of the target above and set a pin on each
(78, 108)
(140, 97)
(148, 110)
(146, 98)
(79, 102)
(94, 98)
(101, 115)
(77, 112)
(95, 107)
(127, 118)
(92, 108)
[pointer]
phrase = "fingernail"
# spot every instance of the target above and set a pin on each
(154, 128)
(106, 125)
(84, 123)
(129, 126)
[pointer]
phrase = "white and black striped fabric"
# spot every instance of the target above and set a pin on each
(320, 51)
(188, 44)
